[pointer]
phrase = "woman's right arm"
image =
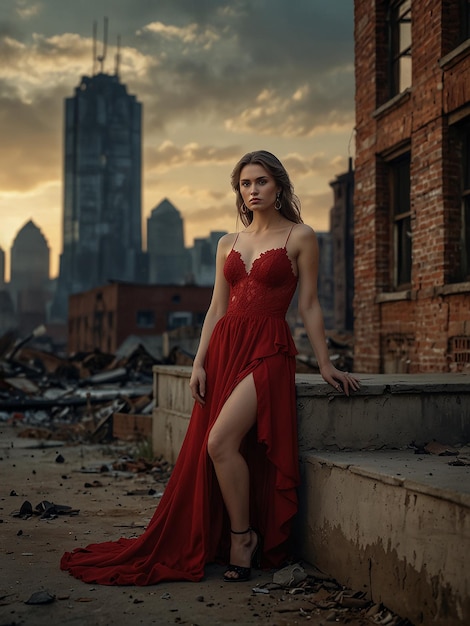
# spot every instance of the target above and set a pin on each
(215, 312)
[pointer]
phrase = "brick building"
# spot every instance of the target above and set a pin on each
(105, 316)
(412, 186)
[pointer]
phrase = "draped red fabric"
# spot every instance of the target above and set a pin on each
(190, 526)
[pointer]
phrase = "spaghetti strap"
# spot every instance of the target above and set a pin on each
(235, 241)
(292, 228)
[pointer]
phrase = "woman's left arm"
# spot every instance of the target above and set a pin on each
(310, 310)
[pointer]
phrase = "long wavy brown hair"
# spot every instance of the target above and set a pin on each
(290, 203)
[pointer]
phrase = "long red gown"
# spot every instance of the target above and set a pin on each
(190, 527)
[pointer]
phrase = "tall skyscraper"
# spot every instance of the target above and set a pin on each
(167, 258)
(29, 282)
(102, 188)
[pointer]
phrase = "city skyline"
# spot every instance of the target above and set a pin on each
(215, 81)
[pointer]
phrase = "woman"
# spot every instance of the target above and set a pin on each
(238, 466)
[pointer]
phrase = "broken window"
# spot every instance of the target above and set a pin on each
(400, 204)
(145, 319)
(179, 319)
(399, 26)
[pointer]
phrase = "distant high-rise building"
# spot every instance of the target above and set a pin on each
(325, 279)
(29, 276)
(2, 268)
(203, 255)
(342, 233)
(102, 188)
(7, 313)
(167, 258)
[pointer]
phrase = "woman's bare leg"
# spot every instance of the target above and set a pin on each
(236, 418)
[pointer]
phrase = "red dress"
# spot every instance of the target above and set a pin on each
(190, 526)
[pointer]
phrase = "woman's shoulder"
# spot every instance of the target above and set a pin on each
(302, 240)
(226, 241)
(303, 233)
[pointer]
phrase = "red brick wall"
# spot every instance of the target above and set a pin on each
(427, 316)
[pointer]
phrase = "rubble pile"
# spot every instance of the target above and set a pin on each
(71, 398)
(310, 594)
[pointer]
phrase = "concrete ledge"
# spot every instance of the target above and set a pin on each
(389, 411)
(394, 524)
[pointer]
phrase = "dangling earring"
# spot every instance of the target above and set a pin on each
(243, 208)
(278, 203)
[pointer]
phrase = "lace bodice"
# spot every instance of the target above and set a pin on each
(266, 289)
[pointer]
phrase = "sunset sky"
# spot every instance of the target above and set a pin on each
(216, 78)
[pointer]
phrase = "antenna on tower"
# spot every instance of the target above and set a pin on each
(102, 57)
(118, 56)
(93, 70)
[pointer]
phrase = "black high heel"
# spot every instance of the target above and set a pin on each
(244, 573)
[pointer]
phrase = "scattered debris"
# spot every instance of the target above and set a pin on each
(45, 509)
(434, 447)
(40, 597)
(310, 592)
(460, 461)
(290, 576)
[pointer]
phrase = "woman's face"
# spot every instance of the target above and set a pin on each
(257, 187)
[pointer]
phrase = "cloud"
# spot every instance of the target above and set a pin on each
(300, 166)
(47, 63)
(168, 155)
(249, 72)
(302, 112)
(193, 34)
(26, 10)
(274, 81)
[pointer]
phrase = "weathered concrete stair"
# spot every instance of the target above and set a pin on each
(373, 514)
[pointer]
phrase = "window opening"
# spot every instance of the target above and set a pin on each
(401, 220)
(400, 46)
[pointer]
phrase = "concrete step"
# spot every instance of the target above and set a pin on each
(389, 411)
(392, 523)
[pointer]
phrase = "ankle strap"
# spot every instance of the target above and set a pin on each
(241, 532)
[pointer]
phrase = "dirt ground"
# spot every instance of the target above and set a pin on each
(31, 547)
